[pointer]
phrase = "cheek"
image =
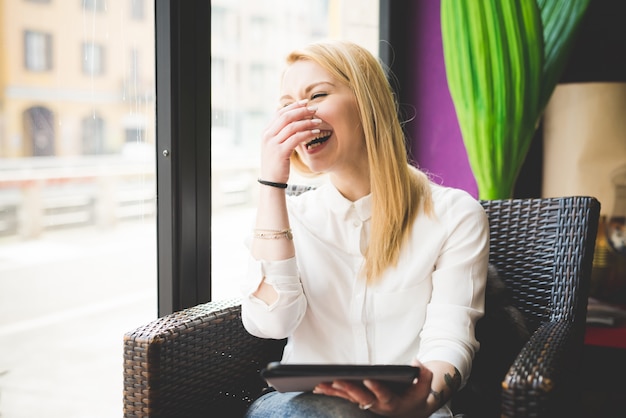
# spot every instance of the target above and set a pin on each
(352, 116)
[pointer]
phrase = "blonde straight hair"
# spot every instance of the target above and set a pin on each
(398, 189)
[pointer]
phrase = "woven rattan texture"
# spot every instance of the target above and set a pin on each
(179, 365)
(548, 274)
(535, 244)
(201, 362)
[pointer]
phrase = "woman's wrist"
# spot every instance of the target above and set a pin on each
(435, 400)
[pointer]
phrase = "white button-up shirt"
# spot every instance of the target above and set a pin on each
(426, 307)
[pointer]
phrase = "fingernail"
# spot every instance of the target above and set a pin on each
(316, 121)
(317, 390)
(312, 108)
(337, 386)
(303, 101)
(315, 131)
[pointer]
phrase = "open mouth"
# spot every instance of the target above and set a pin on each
(320, 139)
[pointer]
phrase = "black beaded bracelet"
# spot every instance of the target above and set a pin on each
(271, 183)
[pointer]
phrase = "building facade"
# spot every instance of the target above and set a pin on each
(76, 76)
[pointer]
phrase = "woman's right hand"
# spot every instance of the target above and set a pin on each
(291, 126)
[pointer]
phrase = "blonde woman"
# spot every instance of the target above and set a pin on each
(379, 265)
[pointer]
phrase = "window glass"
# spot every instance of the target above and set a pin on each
(77, 201)
(249, 41)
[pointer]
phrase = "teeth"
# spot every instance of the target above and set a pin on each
(317, 140)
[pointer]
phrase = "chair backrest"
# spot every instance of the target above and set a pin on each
(542, 251)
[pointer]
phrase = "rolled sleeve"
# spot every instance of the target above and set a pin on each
(280, 318)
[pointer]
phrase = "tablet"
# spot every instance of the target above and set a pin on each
(304, 377)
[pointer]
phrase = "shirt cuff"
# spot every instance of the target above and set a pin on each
(275, 273)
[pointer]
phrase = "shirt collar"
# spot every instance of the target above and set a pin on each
(342, 206)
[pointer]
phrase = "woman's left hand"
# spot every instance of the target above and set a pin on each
(377, 397)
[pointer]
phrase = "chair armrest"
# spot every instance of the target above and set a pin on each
(194, 361)
(541, 382)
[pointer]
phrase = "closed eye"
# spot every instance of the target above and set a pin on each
(318, 95)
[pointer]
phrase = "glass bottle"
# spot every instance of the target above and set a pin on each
(616, 239)
(616, 226)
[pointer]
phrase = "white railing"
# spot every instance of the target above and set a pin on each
(40, 194)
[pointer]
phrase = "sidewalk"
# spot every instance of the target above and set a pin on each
(66, 301)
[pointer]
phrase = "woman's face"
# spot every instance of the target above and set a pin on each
(339, 148)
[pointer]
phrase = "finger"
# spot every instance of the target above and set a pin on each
(278, 153)
(296, 132)
(356, 391)
(294, 105)
(332, 390)
(289, 115)
(384, 397)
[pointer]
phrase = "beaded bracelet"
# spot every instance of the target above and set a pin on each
(272, 233)
(273, 184)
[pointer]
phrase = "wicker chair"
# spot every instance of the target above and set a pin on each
(201, 362)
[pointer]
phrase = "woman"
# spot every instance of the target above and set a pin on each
(379, 266)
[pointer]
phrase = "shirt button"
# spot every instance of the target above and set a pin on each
(356, 224)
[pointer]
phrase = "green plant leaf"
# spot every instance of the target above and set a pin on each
(493, 51)
(501, 73)
(561, 21)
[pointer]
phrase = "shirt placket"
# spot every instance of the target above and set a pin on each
(357, 307)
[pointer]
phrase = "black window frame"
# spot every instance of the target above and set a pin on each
(183, 109)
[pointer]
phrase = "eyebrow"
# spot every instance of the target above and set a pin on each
(308, 89)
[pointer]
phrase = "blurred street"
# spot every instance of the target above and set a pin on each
(66, 300)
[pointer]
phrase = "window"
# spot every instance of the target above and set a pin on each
(78, 265)
(134, 73)
(248, 44)
(37, 51)
(133, 135)
(259, 29)
(93, 59)
(93, 5)
(137, 9)
(93, 135)
(39, 131)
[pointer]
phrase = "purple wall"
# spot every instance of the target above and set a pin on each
(416, 57)
(437, 145)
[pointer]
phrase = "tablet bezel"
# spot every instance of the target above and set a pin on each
(304, 377)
